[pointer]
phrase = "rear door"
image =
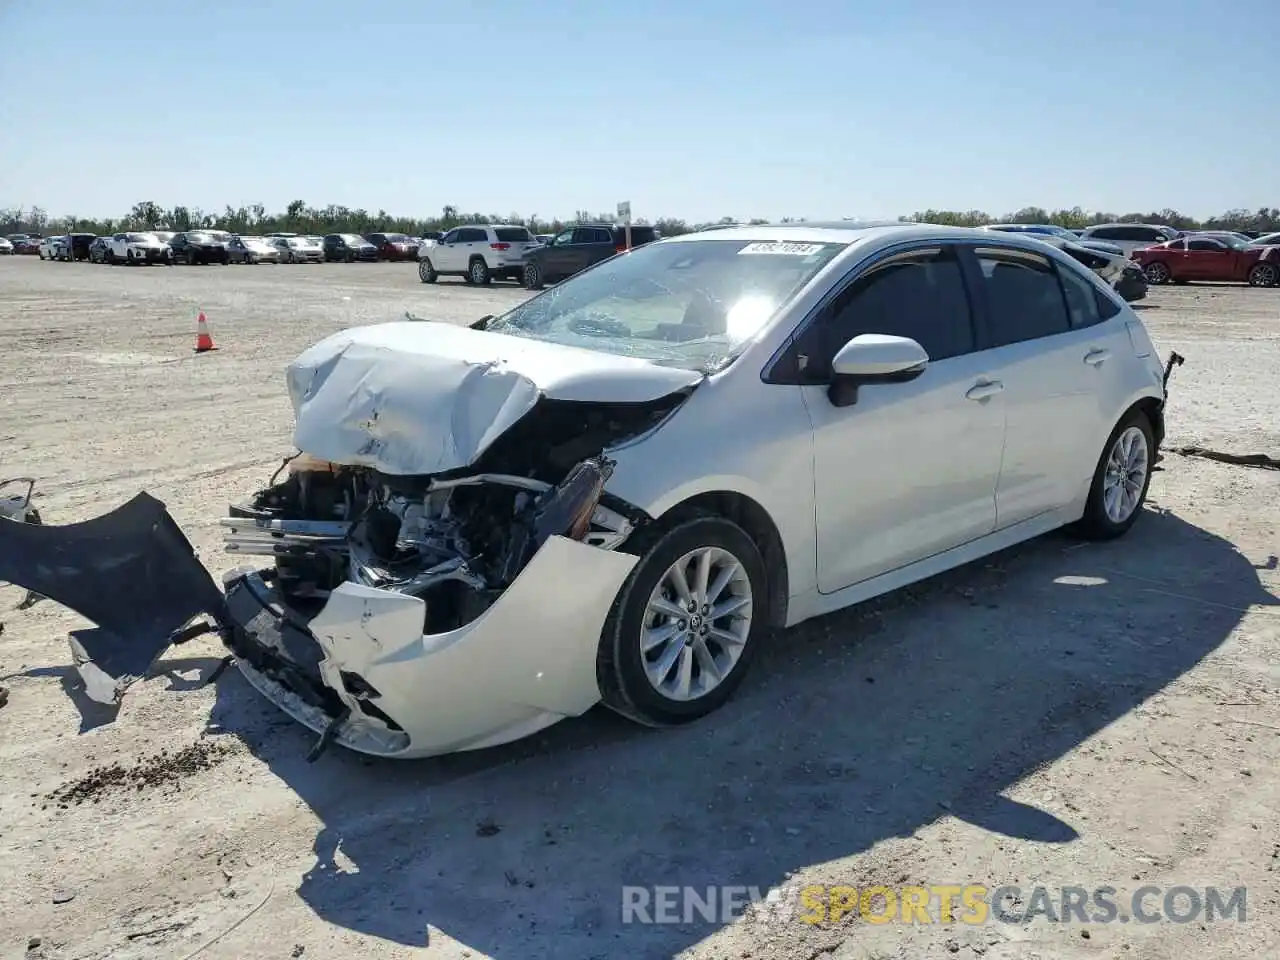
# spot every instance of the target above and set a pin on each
(1050, 370)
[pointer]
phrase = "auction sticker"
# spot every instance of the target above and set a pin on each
(782, 248)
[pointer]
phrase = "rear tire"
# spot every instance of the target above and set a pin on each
(478, 272)
(1120, 480)
(426, 272)
(1264, 275)
(632, 680)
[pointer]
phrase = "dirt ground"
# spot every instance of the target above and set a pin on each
(1060, 715)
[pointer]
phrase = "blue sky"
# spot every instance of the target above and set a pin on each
(697, 109)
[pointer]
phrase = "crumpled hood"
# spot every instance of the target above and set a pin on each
(413, 398)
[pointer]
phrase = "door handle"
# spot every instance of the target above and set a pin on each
(984, 389)
(1097, 357)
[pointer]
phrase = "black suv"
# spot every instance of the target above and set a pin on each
(578, 247)
(196, 246)
(348, 247)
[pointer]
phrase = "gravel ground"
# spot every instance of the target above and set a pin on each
(1057, 715)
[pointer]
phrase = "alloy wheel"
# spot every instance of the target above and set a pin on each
(696, 624)
(1126, 474)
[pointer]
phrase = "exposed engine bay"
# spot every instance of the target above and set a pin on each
(455, 541)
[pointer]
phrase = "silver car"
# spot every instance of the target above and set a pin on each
(298, 249)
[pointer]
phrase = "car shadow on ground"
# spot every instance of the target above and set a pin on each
(860, 726)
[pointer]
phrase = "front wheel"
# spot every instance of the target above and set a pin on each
(685, 626)
(1157, 273)
(1120, 480)
(479, 272)
(426, 272)
(1264, 275)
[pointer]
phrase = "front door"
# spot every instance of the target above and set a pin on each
(444, 255)
(910, 469)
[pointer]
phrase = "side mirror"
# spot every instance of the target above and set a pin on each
(873, 358)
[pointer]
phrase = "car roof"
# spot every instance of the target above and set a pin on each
(853, 231)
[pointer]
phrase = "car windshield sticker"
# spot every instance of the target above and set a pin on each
(782, 248)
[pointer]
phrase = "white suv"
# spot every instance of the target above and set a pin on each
(1130, 236)
(476, 252)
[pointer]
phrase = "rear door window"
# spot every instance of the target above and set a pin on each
(512, 234)
(1024, 298)
(1083, 307)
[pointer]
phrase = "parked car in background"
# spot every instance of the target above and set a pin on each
(348, 247)
(578, 247)
(1210, 258)
(252, 250)
(543, 237)
(99, 250)
(1130, 236)
(24, 244)
(1123, 275)
(278, 234)
(1050, 228)
(430, 235)
(78, 245)
(478, 253)
(199, 246)
(49, 247)
(6, 247)
(394, 246)
(1223, 235)
(296, 249)
(1266, 240)
(138, 248)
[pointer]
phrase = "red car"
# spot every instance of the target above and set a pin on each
(394, 246)
(22, 243)
(1210, 258)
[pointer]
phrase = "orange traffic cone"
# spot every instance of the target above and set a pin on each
(204, 342)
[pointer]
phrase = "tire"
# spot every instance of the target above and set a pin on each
(478, 272)
(1264, 275)
(532, 279)
(426, 272)
(1157, 273)
(624, 682)
(1098, 523)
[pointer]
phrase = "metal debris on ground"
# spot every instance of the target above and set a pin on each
(1261, 460)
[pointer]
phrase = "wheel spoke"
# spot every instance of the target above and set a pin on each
(725, 638)
(707, 664)
(729, 607)
(660, 604)
(701, 577)
(680, 583)
(656, 636)
(684, 673)
(659, 669)
(727, 572)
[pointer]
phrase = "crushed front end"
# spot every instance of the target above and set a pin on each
(413, 616)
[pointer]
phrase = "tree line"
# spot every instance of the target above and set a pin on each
(298, 217)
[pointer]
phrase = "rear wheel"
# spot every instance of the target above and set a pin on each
(685, 626)
(426, 272)
(1120, 480)
(532, 277)
(1264, 275)
(478, 273)
(1157, 272)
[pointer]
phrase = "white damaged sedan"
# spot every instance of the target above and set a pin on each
(612, 491)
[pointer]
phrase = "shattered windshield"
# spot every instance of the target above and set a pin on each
(686, 304)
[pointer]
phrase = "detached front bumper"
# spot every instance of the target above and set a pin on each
(363, 673)
(360, 672)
